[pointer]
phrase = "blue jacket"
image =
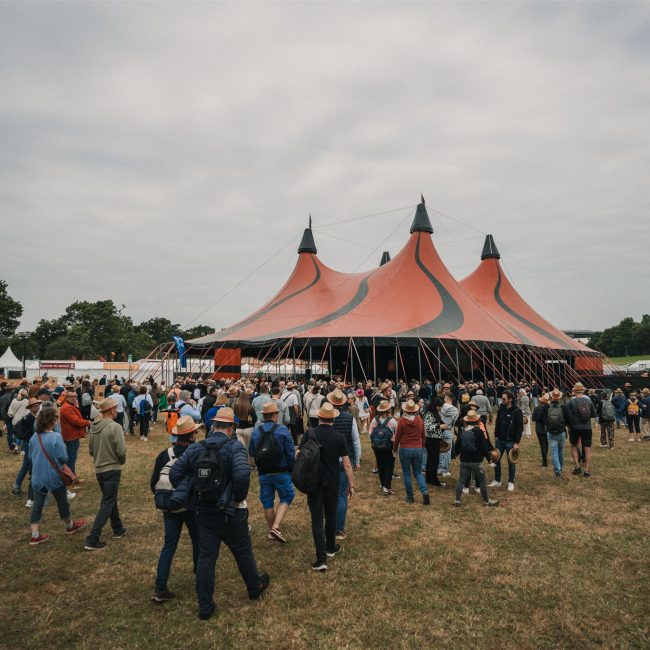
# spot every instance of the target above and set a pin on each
(44, 476)
(285, 442)
(238, 471)
(620, 403)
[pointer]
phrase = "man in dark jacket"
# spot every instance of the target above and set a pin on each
(508, 430)
(581, 410)
(227, 519)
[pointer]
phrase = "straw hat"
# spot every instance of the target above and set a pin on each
(545, 398)
(290, 385)
(646, 391)
(107, 404)
(410, 407)
(185, 425)
(337, 397)
(445, 446)
(472, 416)
(383, 387)
(225, 414)
(384, 406)
(513, 456)
(33, 402)
(233, 390)
(578, 388)
(464, 398)
(270, 407)
(328, 412)
(556, 394)
(618, 390)
(360, 392)
(495, 454)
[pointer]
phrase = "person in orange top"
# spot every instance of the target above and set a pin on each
(409, 440)
(73, 427)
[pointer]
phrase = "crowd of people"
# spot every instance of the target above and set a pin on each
(294, 434)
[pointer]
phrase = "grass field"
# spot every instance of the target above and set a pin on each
(557, 565)
(626, 361)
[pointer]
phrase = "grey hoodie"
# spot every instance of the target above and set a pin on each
(106, 445)
(449, 414)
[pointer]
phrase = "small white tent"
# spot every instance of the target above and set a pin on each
(9, 361)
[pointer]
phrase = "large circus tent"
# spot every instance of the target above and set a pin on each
(409, 317)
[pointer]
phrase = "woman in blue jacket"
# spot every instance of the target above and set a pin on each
(47, 448)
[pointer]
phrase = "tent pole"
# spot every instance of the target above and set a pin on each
(457, 365)
(419, 363)
(484, 371)
(439, 365)
(396, 366)
(471, 363)
(331, 368)
(374, 362)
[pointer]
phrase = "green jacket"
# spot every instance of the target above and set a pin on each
(106, 445)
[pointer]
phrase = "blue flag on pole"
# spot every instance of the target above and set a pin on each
(180, 348)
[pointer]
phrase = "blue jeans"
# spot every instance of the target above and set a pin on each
(556, 443)
(173, 523)
(620, 417)
(154, 413)
(61, 496)
(109, 484)
(73, 451)
(445, 459)
(342, 507)
(411, 460)
(10, 432)
(504, 446)
(272, 483)
(25, 468)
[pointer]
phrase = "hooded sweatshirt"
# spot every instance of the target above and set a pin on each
(409, 434)
(449, 414)
(106, 445)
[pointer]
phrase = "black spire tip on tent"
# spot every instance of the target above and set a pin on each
(490, 250)
(421, 221)
(385, 258)
(307, 243)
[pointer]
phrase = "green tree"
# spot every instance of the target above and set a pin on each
(10, 312)
(158, 329)
(196, 331)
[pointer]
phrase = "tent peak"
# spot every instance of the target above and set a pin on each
(421, 222)
(307, 243)
(385, 258)
(490, 250)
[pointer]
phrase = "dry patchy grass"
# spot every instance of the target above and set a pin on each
(558, 564)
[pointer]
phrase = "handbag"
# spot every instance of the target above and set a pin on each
(67, 475)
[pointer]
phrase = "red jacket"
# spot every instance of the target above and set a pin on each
(409, 434)
(73, 424)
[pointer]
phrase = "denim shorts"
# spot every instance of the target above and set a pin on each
(272, 483)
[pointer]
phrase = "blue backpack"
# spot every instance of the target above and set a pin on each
(381, 437)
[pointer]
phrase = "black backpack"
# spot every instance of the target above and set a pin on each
(209, 476)
(468, 441)
(306, 471)
(268, 456)
(381, 436)
(582, 408)
(24, 428)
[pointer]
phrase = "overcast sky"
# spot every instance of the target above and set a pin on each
(155, 154)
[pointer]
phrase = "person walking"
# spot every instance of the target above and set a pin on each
(246, 416)
(220, 474)
(482, 404)
(508, 429)
(143, 407)
(73, 428)
(274, 453)
(24, 430)
(185, 432)
(633, 416)
(645, 412)
(323, 502)
(620, 403)
(555, 418)
(449, 415)
(472, 447)
(409, 440)
(540, 427)
(581, 410)
(313, 401)
(606, 419)
(382, 433)
(120, 401)
(107, 447)
(523, 402)
(47, 455)
(364, 410)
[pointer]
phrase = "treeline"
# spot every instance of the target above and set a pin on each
(87, 330)
(625, 339)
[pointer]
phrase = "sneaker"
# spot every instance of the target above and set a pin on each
(445, 474)
(511, 487)
(205, 615)
(586, 474)
(94, 547)
(558, 474)
(29, 503)
(160, 596)
(265, 578)
(71, 495)
(120, 533)
(409, 500)
(477, 490)
(630, 439)
(457, 504)
(319, 566)
(375, 471)
(77, 524)
(490, 503)
(465, 490)
(396, 476)
(603, 446)
(341, 535)
(79, 481)
(385, 492)
(426, 500)
(35, 541)
(145, 439)
(576, 471)
(16, 490)
(495, 484)
(13, 448)
(337, 549)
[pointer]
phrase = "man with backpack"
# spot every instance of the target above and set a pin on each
(220, 473)
(324, 446)
(174, 514)
(273, 450)
(555, 418)
(143, 406)
(581, 409)
(606, 418)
